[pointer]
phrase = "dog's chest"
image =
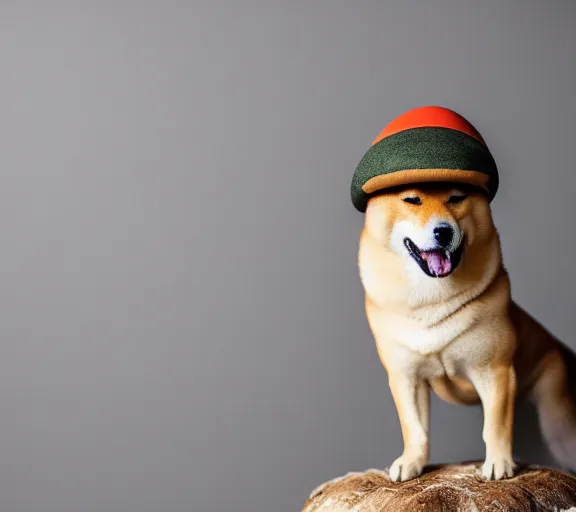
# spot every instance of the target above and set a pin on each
(426, 366)
(409, 343)
(423, 338)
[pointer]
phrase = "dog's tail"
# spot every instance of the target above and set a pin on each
(554, 395)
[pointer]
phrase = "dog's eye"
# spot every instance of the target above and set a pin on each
(412, 200)
(457, 199)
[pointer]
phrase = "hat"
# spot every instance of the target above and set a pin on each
(426, 144)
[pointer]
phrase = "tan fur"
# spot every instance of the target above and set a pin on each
(460, 335)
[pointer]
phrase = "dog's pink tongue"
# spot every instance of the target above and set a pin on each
(438, 263)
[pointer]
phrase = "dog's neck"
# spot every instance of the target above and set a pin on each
(395, 282)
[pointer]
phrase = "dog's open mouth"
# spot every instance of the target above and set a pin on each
(435, 262)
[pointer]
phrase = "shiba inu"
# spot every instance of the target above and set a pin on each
(438, 296)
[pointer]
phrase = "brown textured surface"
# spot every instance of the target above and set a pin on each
(447, 488)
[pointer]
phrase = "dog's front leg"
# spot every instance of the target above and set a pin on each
(496, 387)
(412, 398)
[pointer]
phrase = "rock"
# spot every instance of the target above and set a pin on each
(447, 488)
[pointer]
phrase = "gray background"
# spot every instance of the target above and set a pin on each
(181, 320)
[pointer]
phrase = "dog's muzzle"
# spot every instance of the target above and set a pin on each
(437, 262)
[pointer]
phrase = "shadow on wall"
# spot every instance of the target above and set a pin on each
(529, 446)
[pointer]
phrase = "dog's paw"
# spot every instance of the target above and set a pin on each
(498, 468)
(406, 468)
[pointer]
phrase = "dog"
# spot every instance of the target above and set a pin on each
(438, 303)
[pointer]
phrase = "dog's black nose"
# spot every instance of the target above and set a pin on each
(444, 235)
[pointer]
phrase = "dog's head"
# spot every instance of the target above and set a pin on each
(432, 226)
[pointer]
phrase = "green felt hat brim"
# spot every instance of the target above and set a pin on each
(423, 155)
